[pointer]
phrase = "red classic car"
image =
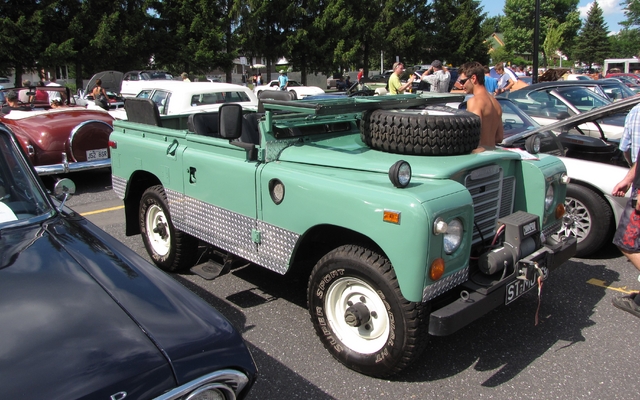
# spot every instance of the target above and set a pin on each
(60, 139)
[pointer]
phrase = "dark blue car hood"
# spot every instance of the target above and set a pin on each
(84, 316)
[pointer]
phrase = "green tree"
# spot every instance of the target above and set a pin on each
(592, 45)
(518, 23)
(625, 44)
(458, 36)
(491, 25)
(631, 12)
(553, 41)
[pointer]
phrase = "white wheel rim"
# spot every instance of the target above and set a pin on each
(370, 336)
(158, 232)
(576, 221)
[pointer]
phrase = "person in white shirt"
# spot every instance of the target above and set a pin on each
(54, 95)
(437, 77)
(507, 78)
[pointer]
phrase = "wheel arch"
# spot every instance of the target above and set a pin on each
(321, 239)
(599, 192)
(136, 186)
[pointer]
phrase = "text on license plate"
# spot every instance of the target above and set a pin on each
(97, 154)
(519, 287)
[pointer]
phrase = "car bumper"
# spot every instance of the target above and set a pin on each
(463, 311)
(66, 167)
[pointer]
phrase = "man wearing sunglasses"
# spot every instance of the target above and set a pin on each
(395, 86)
(482, 104)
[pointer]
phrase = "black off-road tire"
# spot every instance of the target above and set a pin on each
(588, 218)
(396, 333)
(169, 248)
(432, 131)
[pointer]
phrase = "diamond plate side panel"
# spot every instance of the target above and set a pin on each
(276, 247)
(232, 232)
(275, 147)
(443, 285)
(119, 186)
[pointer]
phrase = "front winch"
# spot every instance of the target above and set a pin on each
(521, 238)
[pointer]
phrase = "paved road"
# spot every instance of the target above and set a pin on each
(582, 348)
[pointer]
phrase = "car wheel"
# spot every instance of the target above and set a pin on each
(360, 315)
(588, 218)
(169, 248)
(259, 91)
(434, 130)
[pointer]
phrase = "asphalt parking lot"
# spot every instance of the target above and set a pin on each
(582, 347)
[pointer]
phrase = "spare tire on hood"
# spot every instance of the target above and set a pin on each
(430, 131)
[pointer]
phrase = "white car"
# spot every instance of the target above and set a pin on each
(593, 165)
(178, 97)
(300, 90)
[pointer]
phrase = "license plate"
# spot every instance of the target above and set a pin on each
(98, 154)
(519, 287)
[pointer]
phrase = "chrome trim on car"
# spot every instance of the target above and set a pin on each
(77, 128)
(443, 285)
(30, 150)
(66, 167)
(231, 379)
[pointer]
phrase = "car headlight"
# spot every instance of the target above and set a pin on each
(548, 198)
(400, 174)
(453, 236)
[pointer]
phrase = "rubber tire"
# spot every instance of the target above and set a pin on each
(582, 205)
(407, 338)
(183, 248)
(295, 95)
(414, 132)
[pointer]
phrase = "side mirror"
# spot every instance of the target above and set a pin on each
(562, 115)
(63, 189)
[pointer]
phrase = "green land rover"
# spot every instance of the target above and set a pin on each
(402, 231)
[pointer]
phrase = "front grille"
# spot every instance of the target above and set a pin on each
(493, 196)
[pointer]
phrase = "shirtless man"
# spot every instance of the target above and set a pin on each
(484, 105)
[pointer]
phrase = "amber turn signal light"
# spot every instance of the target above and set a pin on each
(437, 269)
(559, 210)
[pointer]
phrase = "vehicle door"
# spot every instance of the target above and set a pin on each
(220, 194)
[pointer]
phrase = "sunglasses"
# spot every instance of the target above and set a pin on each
(463, 81)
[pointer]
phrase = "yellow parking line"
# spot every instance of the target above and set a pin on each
(102, 211)
(598, 282)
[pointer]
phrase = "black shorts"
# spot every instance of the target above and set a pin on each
(627, 236)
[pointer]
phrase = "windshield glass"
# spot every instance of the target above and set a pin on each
(582, 98)
(219, 97)
(20, 194)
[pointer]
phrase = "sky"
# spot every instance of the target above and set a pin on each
(611, 10)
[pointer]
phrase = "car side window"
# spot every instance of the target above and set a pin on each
(144, 94)
(161, 98)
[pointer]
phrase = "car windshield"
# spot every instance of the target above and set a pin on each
(20, 195)
(582, 98)
(617, 91)
(155, 75)
(293, 83)
(203, 99)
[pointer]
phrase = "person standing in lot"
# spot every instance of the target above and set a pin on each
(437, 77)
(283, 81)
(483, 105)
(185, 77)
(627, 236)
(395, 86)
(507, 78)
(54, 95)
(490, 82)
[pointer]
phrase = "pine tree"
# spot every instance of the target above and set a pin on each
(592, 45)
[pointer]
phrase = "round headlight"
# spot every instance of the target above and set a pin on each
(453, 237)
(548, 198)
(400, 174)
(533, 144)
(276, 190)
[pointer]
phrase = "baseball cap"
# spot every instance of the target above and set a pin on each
(436, 64)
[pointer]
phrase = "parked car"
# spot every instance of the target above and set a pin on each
(631, 80)
(593, 165)
(111, 83)
(177, 97)
(547, 102)
(83, 316)
(295, 87)
(132, 80)
(5, 83)
(61, 140)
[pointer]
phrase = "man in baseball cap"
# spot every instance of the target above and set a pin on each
(438, 77)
